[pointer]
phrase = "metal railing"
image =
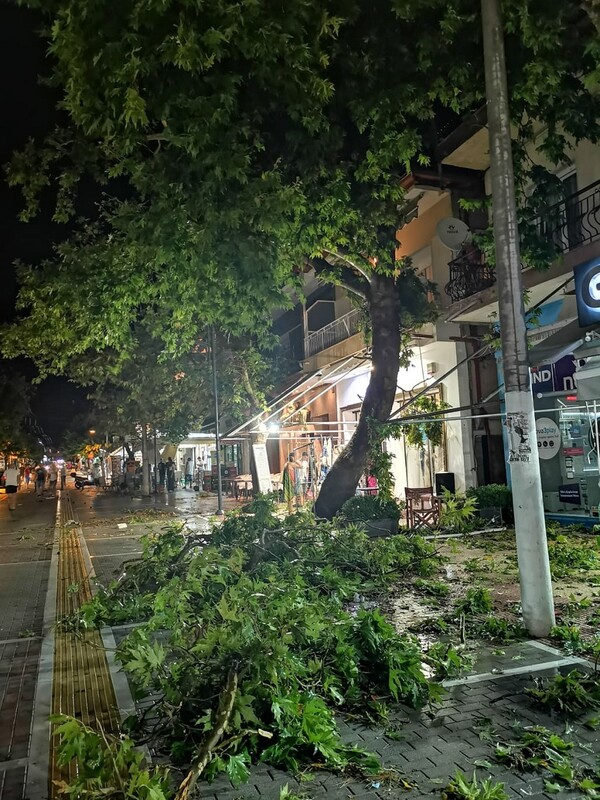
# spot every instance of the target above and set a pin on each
(469, 274)
(333, 333)
(574, 221)
(571, 223)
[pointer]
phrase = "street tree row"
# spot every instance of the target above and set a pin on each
(237, 143)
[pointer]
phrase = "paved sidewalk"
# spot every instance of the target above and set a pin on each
(25, 549)
(27, 537)
(427, 748)
(98, 532)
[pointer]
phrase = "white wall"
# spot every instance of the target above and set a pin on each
(585, 157)
(352, 390)
(410, 466)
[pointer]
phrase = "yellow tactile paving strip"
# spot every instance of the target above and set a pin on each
(81, 683)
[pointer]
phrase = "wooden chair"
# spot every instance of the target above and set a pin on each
(422, 508)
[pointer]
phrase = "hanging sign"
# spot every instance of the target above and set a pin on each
(548, 437)
(261, 461)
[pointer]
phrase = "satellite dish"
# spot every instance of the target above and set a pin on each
(452, 232)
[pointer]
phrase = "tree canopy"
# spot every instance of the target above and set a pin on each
(253, 137)
(16, 427)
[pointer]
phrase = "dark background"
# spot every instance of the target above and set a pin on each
(28, 110)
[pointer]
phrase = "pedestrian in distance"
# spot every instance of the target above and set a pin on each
(200, 474)
(303, 477)
(40, 480)
(170, 472)
(27, 477)
(63, 477)
(291, 484)
(11, 476)
(52, 478)
(162, 471)
(97, 473)
(189, 473)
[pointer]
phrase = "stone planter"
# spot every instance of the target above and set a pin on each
(374, 528)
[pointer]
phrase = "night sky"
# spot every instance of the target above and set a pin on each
(27, 110)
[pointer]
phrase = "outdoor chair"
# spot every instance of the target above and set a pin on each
(422, 508)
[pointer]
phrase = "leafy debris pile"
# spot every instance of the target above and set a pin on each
(248, 648)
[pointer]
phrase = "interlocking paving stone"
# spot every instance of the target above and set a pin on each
(431, 754)
(18, 671)
(111, 546)
(22, 594)
(26, 537)
(12, 783)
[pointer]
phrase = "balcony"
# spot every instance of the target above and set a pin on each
(574, 221)
(570, 224)
(333, 333)
(469, 274)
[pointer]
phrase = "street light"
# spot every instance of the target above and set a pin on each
(213, 342)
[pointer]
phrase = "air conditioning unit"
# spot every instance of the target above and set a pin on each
(432, 368)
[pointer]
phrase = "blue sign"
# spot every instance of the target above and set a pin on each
(557, 377)
(587, 292)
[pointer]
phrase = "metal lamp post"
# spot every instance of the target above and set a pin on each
(213, 353)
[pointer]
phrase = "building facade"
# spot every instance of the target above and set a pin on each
(450, 360)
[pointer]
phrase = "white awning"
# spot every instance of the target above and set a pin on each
(560, 343)
(330, 375)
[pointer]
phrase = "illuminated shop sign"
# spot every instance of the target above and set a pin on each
(587, 292)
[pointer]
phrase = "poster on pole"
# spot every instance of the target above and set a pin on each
(519, 445)
(261, 461)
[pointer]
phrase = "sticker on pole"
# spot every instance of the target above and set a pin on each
(517, 425)
(548, 437)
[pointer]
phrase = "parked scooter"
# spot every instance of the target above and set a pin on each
(81, 481)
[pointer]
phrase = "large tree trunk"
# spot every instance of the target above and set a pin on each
(342, 480)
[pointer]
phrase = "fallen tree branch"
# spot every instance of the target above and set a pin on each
(226, 702)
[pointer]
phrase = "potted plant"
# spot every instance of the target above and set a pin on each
(493, 501)
(378, 516)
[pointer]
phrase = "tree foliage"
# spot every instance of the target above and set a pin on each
(16, 434)
(255, 137)
(270, 604)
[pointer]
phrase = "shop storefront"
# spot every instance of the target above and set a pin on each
(566, 390)
(567, 448)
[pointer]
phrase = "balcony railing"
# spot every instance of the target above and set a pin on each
(573, 222)
(469, 274)
(334, 333)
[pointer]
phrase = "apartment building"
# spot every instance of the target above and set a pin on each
(567, 422)
(329, 364)
(323, 337)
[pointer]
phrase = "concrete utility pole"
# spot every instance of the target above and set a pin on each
(213, 352)
(530, 525)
